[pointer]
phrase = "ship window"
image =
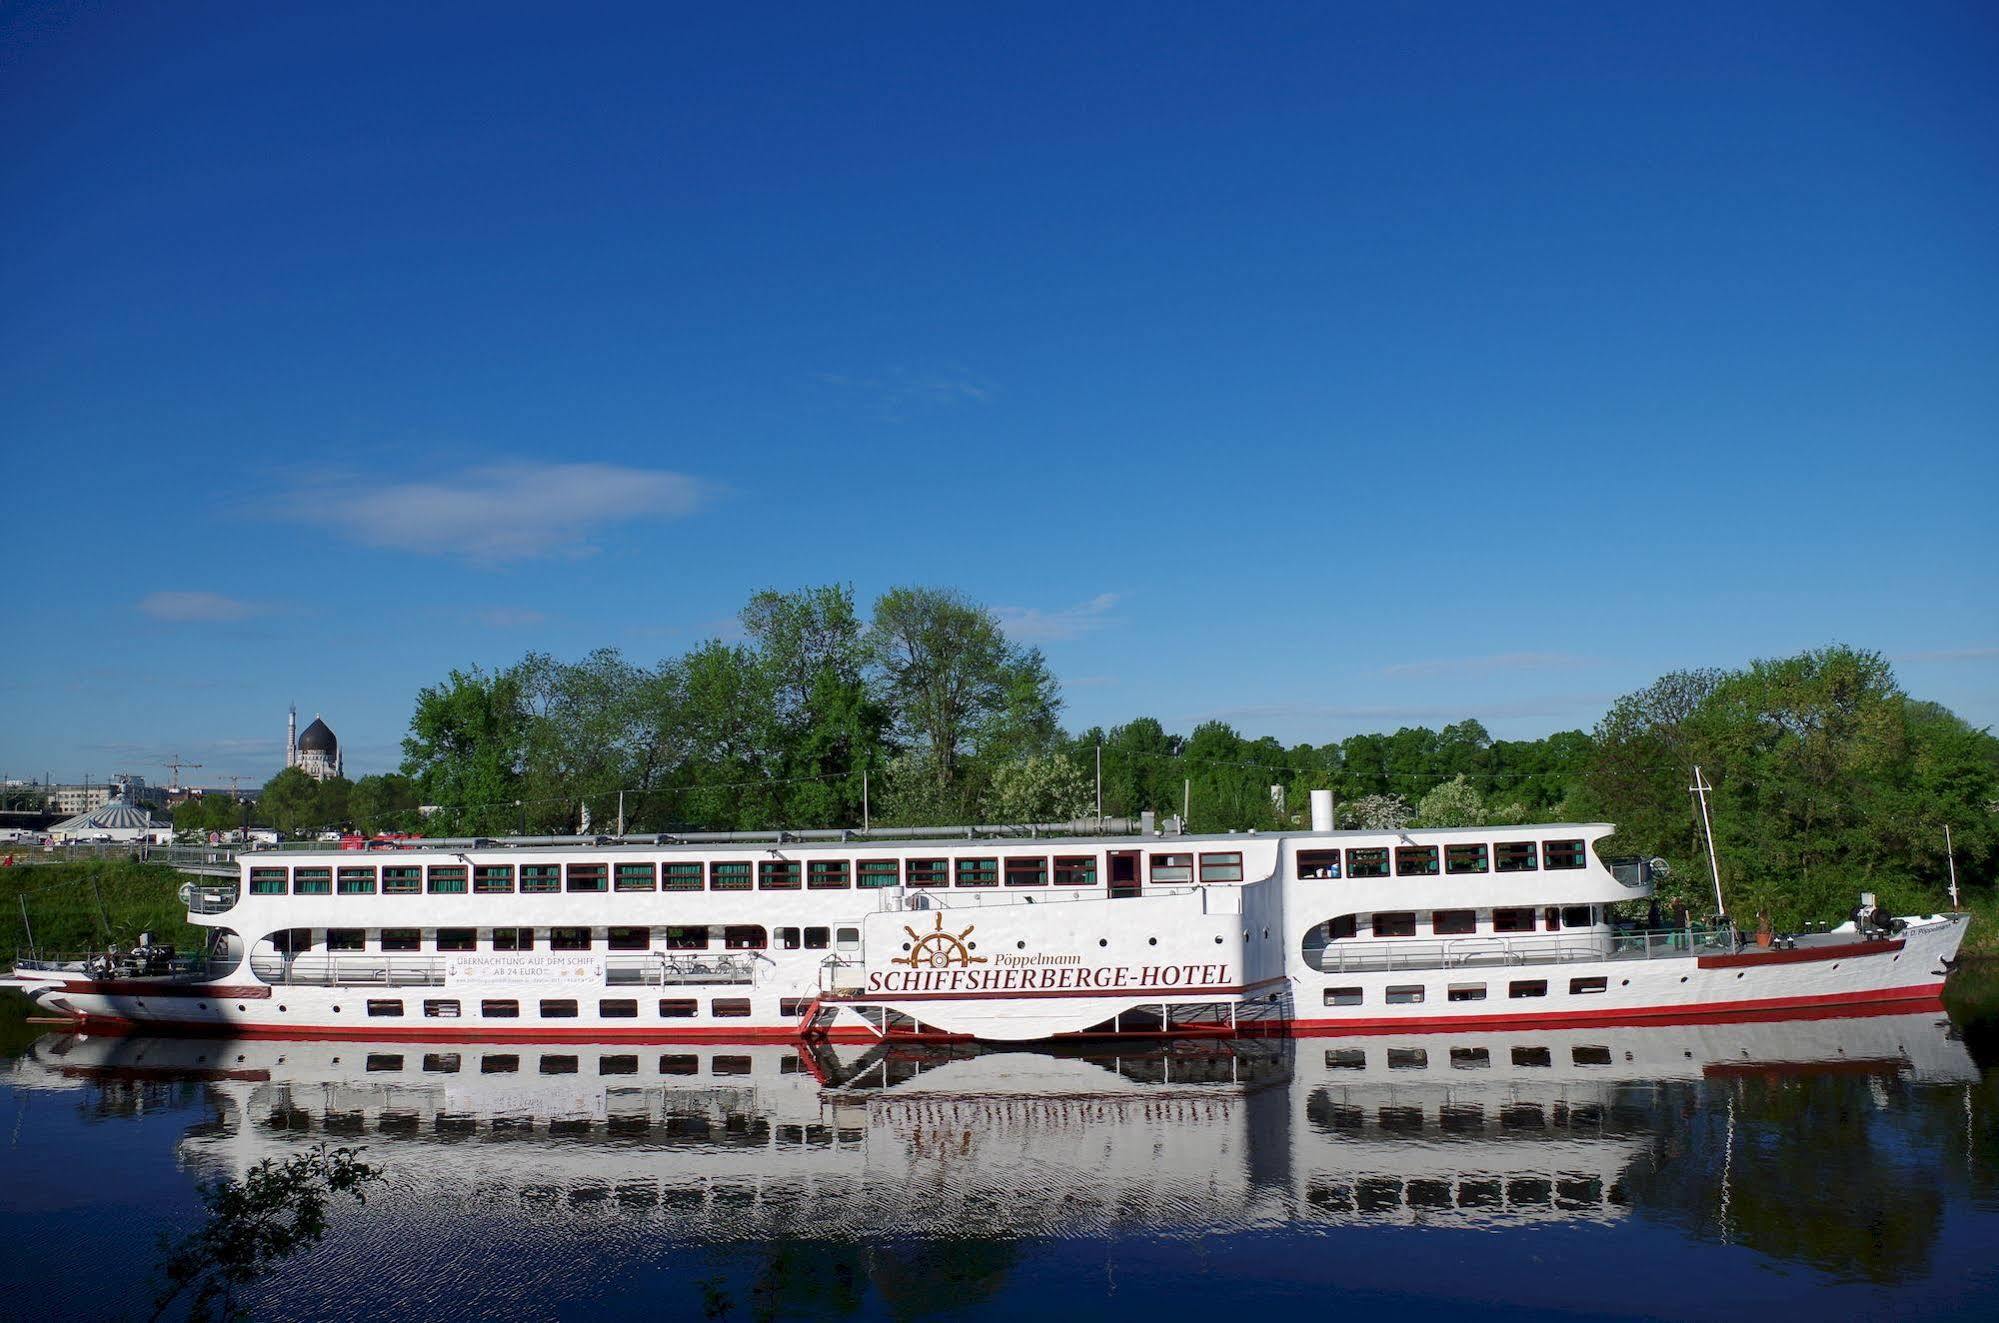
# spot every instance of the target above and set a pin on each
(1347, 925)
(1342, 996)
(929, 872)
(457, 939)
(678, 1008)
(1075, 870)
(1401, 923)
(540, 879)
(440, 1008)
(493, 880)
(1576, 916)
(1514, 856)
(1579, 987)
(387, 1006)
(1415, 861)
(1532, 1057)
(384, 1061)
(1590, 1056)
(792, 1007)
(628, 939)
(558, 1064)
(312, 881)
(267, 882)
(637, 877)
(826, 875)
(1407, 994)
(680, 1063)
(683, 875)
(729, 1008)
(788, 939)
(355, 881)
(1408, 1058)
(687, 939)
(1173, 869)
(1471, 1058)
(744, 937)
(447, 879)
(1346, 1058)
(1519, 920)
(1454, 923)
(1028, 872)
(818, 939)
(1370, 862)
(558, 1008)
(402, 880)
(729, 1065)
(1562, 854)
(1466, 992)
(618, 1008)
(1222, 867)
(346, 939)
(1465, 858)
(1552, 916)
(623, 1064)
(1318, 863)
(402, 939)
(500, 1009)
(513, 939)
(441, 1063)
(586, 877)
(847, 939)
(978, 872)
(729, 875)
(499, 1063)
(878, 873)
(777, 874)
(569, 939)
(1527, 987)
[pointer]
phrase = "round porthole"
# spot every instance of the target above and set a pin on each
(281, 1008)
(1683, 978)
(241, 1007)
(201, 1006)
(905, 946)
(1738, 976)
(1020, 946)
(1103, 941)
(971, 946)
(1624, 983)
(1152, 941)
(336, 1010)
(239, 1058)
(1218, 939)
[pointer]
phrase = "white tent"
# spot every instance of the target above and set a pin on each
(114, 820)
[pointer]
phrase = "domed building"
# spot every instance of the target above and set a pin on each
(314, 750)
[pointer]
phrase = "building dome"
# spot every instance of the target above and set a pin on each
(317, 738)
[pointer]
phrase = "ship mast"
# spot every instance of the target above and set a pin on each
(1699, 789)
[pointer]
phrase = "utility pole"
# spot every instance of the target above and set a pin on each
(864, 800)
(621, 813)
(1186, 801)
(1700, 787)
(1951, 854)
(28, 927)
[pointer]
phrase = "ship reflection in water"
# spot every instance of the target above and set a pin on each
(518, 1174)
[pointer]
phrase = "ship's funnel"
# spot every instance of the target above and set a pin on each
(1322, 810)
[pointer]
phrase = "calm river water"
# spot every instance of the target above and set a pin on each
(1843, 1168)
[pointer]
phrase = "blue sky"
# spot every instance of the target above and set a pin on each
(1320, 368)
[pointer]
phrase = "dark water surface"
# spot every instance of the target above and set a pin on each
(1848, 1168)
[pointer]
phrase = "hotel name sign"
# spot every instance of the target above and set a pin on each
(939, 961)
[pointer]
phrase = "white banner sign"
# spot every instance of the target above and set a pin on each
(524, 968)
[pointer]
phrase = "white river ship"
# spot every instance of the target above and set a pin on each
(973, 934)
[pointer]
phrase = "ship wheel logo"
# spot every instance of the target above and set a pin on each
(938, 949)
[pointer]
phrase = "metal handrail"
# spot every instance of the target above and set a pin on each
(1346, 955)
(393, 969)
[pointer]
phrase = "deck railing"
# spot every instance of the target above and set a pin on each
(1347, 956)
(388, 970)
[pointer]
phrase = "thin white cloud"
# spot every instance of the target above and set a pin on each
(181, 607)
(1029, 624)
(899, 390)
(502, 512)
(1502, 661)
(1950, 655)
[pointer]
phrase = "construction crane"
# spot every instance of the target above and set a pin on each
(174, 764)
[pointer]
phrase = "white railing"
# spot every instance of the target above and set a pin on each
(943, 898)
(1461, 952)
(392, 969)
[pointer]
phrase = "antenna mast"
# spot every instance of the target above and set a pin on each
(1950, 854)
(1699, 788)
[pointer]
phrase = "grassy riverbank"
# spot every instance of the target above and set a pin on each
(75, 907)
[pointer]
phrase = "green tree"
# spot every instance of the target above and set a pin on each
(464, 751)
(383, 803)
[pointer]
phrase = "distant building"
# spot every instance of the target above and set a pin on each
(114, 820)
(70, 800)
(314, 750)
